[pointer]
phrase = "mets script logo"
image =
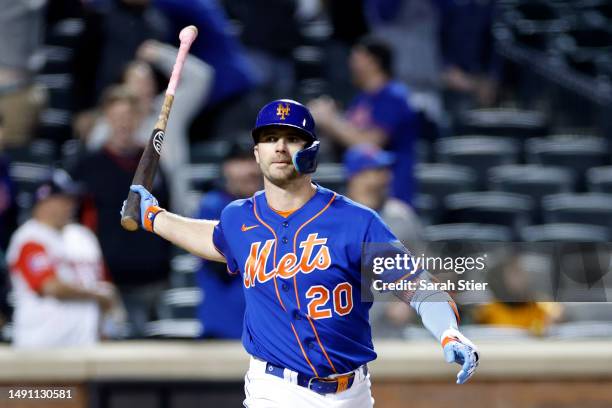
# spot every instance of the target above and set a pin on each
(283, 110)
(315, 255)
(158, 141)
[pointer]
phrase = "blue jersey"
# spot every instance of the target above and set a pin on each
(302, 281)
(388, 109)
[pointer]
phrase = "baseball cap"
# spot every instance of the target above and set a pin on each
(365, 157)
(58, 182)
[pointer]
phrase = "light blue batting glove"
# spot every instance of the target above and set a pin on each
(149, 207)
(459, 349)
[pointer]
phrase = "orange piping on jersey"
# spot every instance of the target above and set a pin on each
(321, 345)
(275, 247)
(454, 307)
(297, 298)
(303, 352)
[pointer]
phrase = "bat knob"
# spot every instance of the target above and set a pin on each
(188, 34)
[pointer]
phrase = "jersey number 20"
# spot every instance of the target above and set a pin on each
(342, 301)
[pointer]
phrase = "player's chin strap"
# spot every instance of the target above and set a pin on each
(305, 160)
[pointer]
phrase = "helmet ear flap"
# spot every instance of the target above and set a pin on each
(305, 160)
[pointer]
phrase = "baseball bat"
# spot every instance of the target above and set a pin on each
(147, 167)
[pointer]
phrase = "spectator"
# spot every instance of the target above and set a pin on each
(241, 179)
(56, 271)
(514, 304)
(138, 263)
(226, 109)
(191, 95)
(21, 28)
(471, 66)
(348, 25)
(111, 38)
(8, 207)
(270, 31)
(380, 114)
(412, 30)
(368, 170)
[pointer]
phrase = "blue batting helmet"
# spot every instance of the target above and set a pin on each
(287, 112)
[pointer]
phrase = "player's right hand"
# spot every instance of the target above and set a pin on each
(149, 207)
(459, 349)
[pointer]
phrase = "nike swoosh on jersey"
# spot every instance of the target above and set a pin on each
(245, 228)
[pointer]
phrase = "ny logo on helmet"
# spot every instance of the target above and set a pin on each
(283, 111)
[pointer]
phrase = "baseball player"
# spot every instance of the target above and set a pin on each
(297, 248)
(56, 273)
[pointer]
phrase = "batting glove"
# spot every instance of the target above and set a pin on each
(459, 349)
(149, 207)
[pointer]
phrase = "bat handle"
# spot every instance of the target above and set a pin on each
(131, 214)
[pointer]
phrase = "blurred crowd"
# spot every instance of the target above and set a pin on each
(81, 85)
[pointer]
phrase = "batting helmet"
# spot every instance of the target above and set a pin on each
(287, 112)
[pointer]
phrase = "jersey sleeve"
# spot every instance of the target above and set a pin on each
(35, 265)
(221, 244)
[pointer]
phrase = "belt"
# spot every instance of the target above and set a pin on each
(320, 385)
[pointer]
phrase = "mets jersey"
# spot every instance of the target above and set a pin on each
(38, 252)
(302, 280)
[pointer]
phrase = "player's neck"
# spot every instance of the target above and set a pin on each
(289, 197)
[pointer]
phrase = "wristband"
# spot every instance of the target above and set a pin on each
(149, 217)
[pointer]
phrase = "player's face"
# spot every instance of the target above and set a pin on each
(274, 153)
(122, 119)
(242, 177)
(61, 208)
(374, 181)
(362, 65)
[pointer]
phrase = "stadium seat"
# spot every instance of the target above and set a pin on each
(468, 232)
(599, 179)
(212, 151)
(440, 180)
(578, 153)
(184, 268)
(179, 303)
(514, 123)
(587, 208)
(565, 232)
(174, 329)
(532, 180)
(477, 152)
(490, 207)
(427, 208)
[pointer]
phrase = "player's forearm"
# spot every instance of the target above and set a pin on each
(347, 134)
(435, 307)
(194, 236)
(57, 289)
(437, 311)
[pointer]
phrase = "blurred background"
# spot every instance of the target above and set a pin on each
(458, 120)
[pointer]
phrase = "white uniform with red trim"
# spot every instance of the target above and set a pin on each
(38, 252)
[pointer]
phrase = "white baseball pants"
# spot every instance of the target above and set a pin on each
(268, 391)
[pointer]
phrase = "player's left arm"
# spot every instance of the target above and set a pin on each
(439, 315)
(437, 309)
(329, 119)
